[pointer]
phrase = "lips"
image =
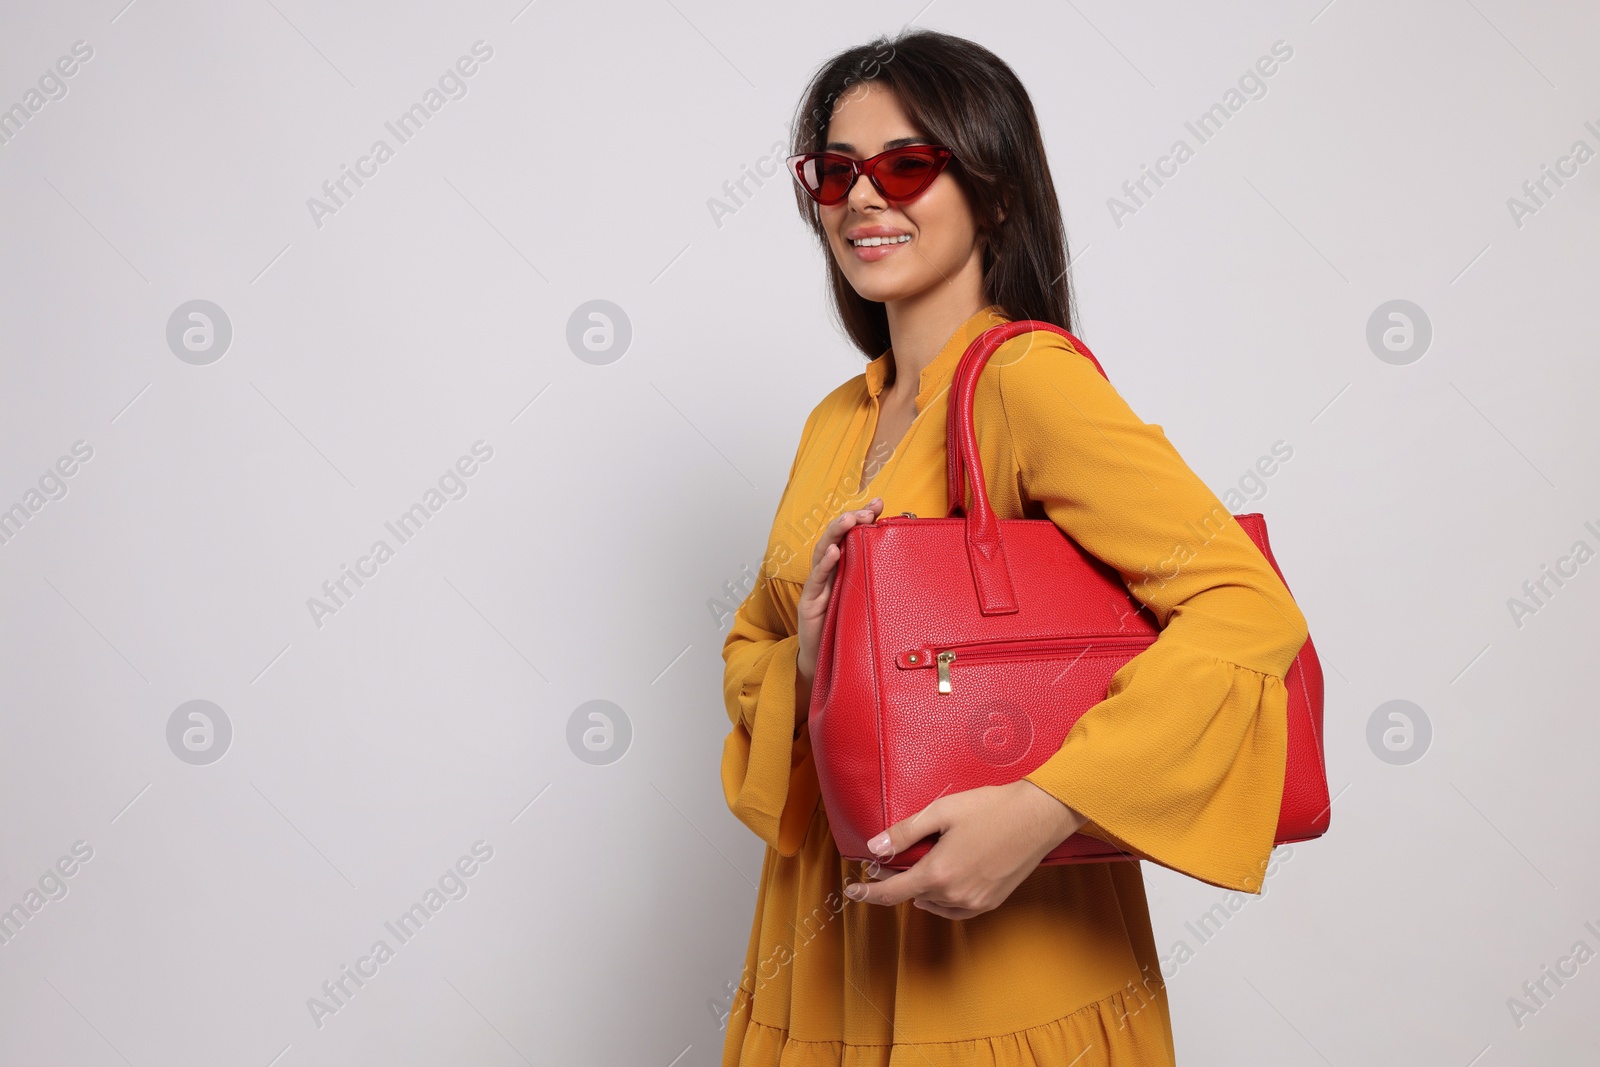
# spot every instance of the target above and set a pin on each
(872, 231)
(872, 243)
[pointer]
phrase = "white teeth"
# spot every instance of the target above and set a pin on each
(872, 242)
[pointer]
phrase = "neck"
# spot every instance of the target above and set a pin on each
(921, 324)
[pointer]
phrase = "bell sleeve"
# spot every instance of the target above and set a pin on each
(768, 776)
(1183, 761)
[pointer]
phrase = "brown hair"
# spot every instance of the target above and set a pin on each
(965, 97)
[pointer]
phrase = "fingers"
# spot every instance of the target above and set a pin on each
(835, 531)
(908, 831)
(818, 588)
(944, 912)
(826, 553)
(891, 890)
(919, 879)
(980, 855)
(917, 884)
(822, 569)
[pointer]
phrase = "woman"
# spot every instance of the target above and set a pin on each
(978, 955)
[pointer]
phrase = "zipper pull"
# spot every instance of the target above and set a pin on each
(945, 658)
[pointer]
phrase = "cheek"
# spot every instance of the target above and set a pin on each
(946, 231)
(832, 224)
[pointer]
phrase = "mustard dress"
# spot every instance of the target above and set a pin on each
(1182, 764)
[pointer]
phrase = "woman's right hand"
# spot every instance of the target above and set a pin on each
(819, 585)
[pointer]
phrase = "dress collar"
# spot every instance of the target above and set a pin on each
(937, 375)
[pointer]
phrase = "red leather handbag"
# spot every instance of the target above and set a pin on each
(893, 726)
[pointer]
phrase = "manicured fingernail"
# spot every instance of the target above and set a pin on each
(854, 890)
(880, 844)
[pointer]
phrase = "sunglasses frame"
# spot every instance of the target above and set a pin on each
(941, 158)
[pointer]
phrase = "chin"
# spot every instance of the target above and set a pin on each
(887, 290)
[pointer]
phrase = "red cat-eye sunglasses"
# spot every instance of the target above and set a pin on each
(899, 174)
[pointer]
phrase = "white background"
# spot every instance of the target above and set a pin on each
(430, 312)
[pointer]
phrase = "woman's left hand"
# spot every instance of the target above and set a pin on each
(990, 839)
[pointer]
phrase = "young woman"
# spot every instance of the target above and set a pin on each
(922, 171)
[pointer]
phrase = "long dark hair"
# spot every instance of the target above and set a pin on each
(963, 96)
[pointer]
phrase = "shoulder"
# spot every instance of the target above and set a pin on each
(1042, 375)
(1053, 397)
(834, 409)
(1041, 357)
(840, 402)
(845, 396)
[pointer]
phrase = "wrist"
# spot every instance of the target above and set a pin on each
(1063, 819)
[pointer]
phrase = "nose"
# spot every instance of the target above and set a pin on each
(863, 194)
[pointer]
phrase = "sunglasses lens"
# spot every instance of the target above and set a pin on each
(904, 176)
(826, 178)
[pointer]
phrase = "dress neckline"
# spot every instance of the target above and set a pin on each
(934, 379)
(939, 373)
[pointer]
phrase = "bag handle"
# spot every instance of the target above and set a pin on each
(986, 552)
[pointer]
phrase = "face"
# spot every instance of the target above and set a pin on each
(943, 239)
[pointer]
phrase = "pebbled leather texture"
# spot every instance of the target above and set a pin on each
(1068, 622)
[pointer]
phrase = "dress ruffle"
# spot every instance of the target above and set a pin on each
(1121, 1030)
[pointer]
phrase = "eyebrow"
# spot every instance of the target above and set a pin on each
(898, 142)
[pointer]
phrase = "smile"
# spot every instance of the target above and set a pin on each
(873, 242)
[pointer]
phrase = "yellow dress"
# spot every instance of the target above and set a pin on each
(1181, 764)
